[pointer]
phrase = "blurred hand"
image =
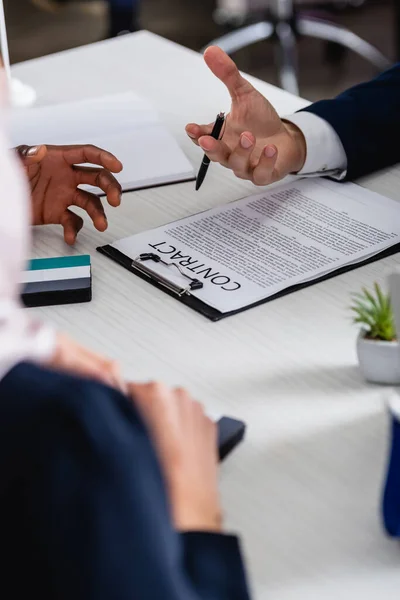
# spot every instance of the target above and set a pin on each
(72, 358)
(54, 178)
(186, 441)
(256, 145)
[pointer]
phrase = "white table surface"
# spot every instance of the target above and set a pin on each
(304, 490)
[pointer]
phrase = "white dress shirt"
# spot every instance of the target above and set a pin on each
(21, 336)
(325, 152)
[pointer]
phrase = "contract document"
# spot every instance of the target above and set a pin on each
(256, 248)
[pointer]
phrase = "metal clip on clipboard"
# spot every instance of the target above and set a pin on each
(139, 265)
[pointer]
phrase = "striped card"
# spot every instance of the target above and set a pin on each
(64, 280)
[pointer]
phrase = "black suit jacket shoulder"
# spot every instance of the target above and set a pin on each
(367, 120)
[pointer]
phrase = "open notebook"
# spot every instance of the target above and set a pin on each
(123, 124)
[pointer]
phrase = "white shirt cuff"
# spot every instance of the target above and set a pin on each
(325, 153)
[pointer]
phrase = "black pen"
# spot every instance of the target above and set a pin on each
(216, 132)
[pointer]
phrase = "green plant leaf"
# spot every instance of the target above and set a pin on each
(379, 293)
(370, 297)
(364, 313)
(373, 311)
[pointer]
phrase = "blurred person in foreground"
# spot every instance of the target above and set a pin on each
(107, 491)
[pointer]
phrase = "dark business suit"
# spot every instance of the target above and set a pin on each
(367, 120)
(83, 510)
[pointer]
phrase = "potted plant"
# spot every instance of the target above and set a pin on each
(377, 347)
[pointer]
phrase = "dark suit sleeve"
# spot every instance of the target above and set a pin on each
(93, 521)
(367, 120)
(214, 565)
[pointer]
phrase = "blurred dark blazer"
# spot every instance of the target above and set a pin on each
(83, 509)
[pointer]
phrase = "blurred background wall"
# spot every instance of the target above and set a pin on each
(34, 32)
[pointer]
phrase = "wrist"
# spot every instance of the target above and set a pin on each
(191, 512)
(298, 146)
(190, 519)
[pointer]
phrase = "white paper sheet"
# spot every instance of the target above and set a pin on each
(123, 124)
(256, 247)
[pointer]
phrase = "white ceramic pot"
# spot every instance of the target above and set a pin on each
(379, 361)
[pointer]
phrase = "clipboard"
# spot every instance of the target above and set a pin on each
(183, 293)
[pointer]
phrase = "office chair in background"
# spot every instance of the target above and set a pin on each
(282, 21)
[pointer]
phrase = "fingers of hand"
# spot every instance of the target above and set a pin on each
(96, 367)
(76, 155)
(31, 155)
(156, 404)
(265, 171)
(216, 150)
(150, 396)
(101, 178)
(240, 158)
(160, 402)
(93, 206)
(110, 373)
(225, 69)
(188, 408)
(194, 421)
(103, 370)
(72, 225)
(72, 357)
(195, 131)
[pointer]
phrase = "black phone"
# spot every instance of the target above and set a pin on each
(230, 433)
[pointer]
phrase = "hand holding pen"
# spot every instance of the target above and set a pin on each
(257, 145)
